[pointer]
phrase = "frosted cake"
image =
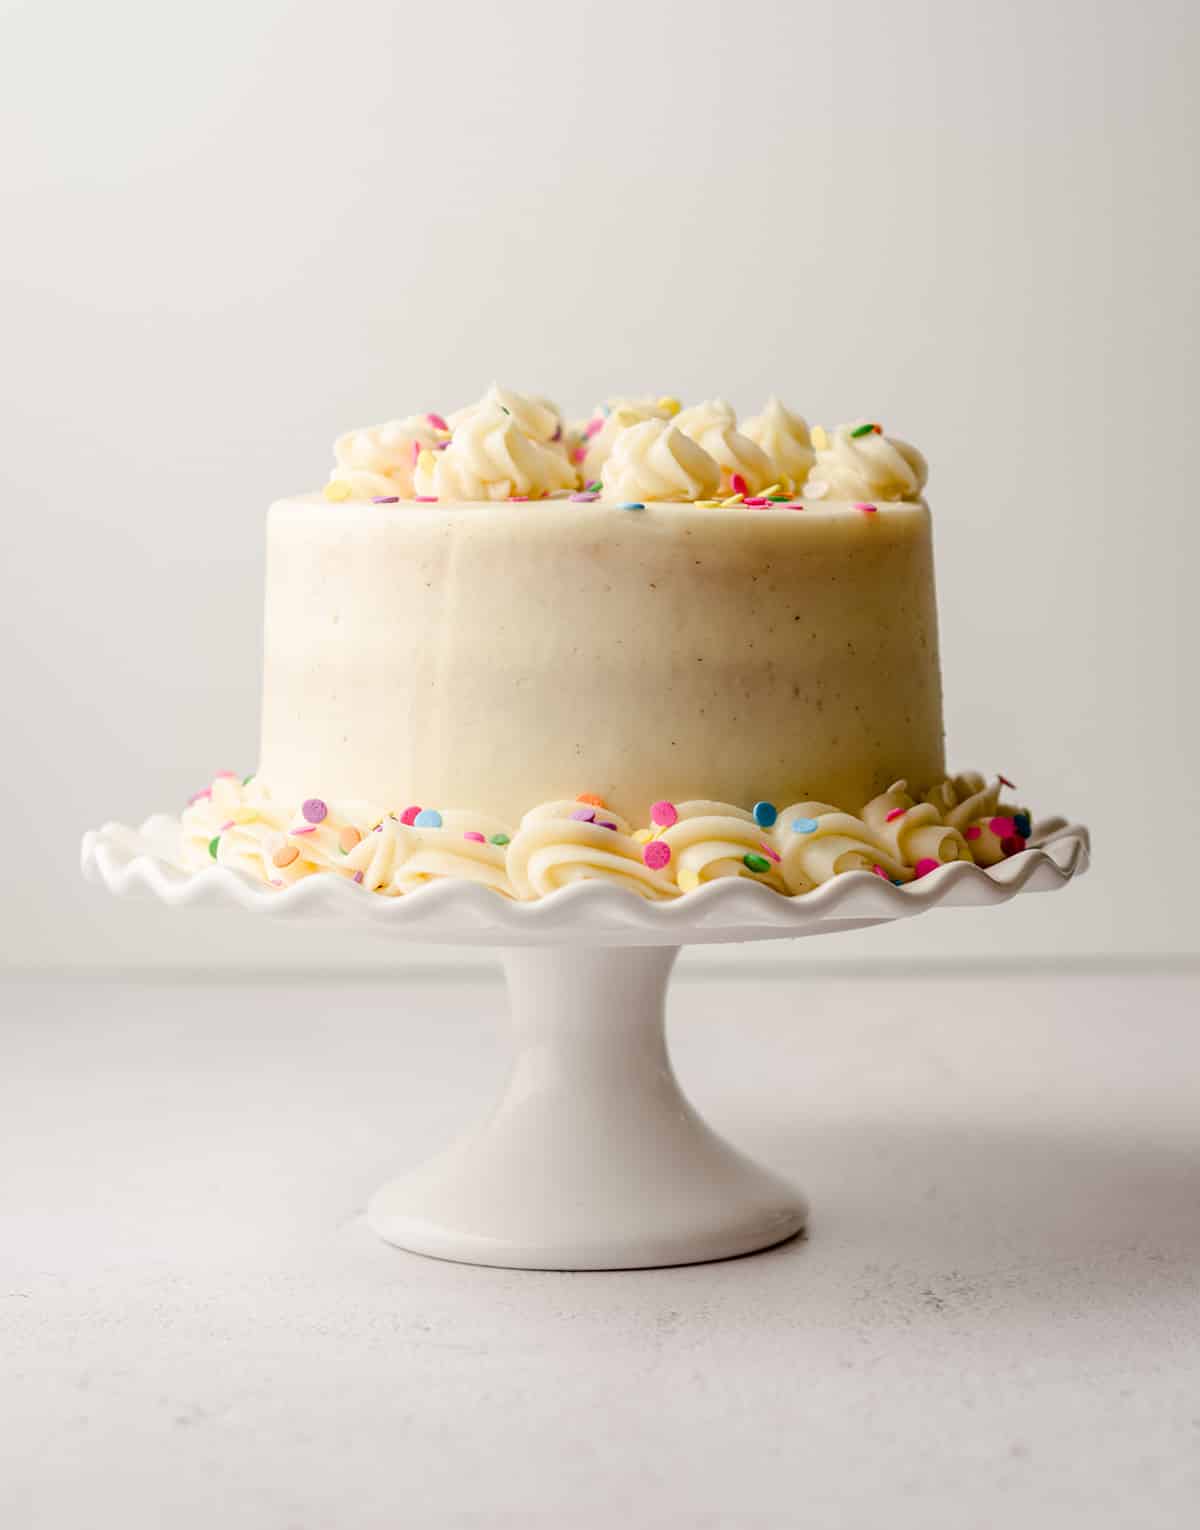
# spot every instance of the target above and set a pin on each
(655, 646)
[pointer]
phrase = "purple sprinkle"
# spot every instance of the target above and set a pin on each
(314, 810)
(386, 499)
(585, 814)
(603, 823)
(584, 499)
(358, 876)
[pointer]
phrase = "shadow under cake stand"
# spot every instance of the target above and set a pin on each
(594, 1158)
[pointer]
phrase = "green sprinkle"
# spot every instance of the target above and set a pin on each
(212, 846)
(498, 839)
(594, 488)
(862, 430)
(757, 863)
(246, 780)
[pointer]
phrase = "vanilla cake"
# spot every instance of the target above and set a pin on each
(655, 647)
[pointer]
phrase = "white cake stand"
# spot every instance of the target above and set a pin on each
(593, 1159)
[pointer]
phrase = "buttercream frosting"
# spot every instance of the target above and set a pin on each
(594, 437)
(653, 460)
(241, 825)
(491, 457)
(713, 425)
(784, 437)
(859, 462)
(378, 460)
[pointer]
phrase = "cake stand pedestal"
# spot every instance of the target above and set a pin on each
(594, 1158)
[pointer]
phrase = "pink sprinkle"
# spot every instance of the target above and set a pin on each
(766, 850)
(664, 814)
(894, 814)
(227, 826)
(656, 855)
(520, 499)
(416, 452)
(583, 499)
(201, 796)
(796, 506)
(1004, 781)
(228, 775)
(972, 831)
(584, 814)
(1012, 844)
(474, 835)
(866, 509)
(436, 421)
(308, 828)
(756, 502)
(737, 483)
(578, 454)
(425, 499)
(925, 865)
(1002, 828)
(409, 815)
(593, 428)
(880, 872)
(358, 876)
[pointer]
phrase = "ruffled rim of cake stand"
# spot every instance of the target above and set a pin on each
(144, 862)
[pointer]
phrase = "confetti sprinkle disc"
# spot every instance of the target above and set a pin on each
(314, 810)
(664, 814)
(804, 825)
(756, 863)
(656, 855)
(428, 818)
(765, 814)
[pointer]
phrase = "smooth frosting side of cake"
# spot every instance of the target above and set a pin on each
(491, 656)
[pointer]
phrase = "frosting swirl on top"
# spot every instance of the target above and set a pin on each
(653, 460)
(595, 436)
(713, 426)
(860, 462)
(537, 418)
(378, 460)
(785, 439)
(491, 457)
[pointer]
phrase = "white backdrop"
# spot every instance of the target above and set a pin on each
(234, 230)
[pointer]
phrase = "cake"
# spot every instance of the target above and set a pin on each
(652, 646)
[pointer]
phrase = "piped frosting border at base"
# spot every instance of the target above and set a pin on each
(237, 823)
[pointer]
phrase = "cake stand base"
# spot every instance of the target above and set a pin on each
(594, 1159)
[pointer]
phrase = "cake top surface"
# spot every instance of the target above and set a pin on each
(630, 451)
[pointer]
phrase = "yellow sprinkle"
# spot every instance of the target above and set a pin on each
(427, 460)
(819, 438)
(688, 879)
(643, 836)
(734, 499)
(336, 490)
(707, 504)
(669, 405)
(771, 488)
(244, 815)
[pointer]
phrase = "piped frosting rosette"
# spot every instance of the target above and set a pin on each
(710, 840)
(560, 843)
(491, 457)
(784, 437)
(858, 462)
(538, 418)
(713, 426)
(991, 829)
(913, 831)
(377, 462)
(654, 461)
(595, 437)
(819, 841)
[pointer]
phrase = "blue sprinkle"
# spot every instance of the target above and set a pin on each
(1022, 825)
(765, 814)
(632, 504)
(428, 818)
(804, 826)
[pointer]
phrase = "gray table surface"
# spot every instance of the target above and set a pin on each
(994, 1320)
